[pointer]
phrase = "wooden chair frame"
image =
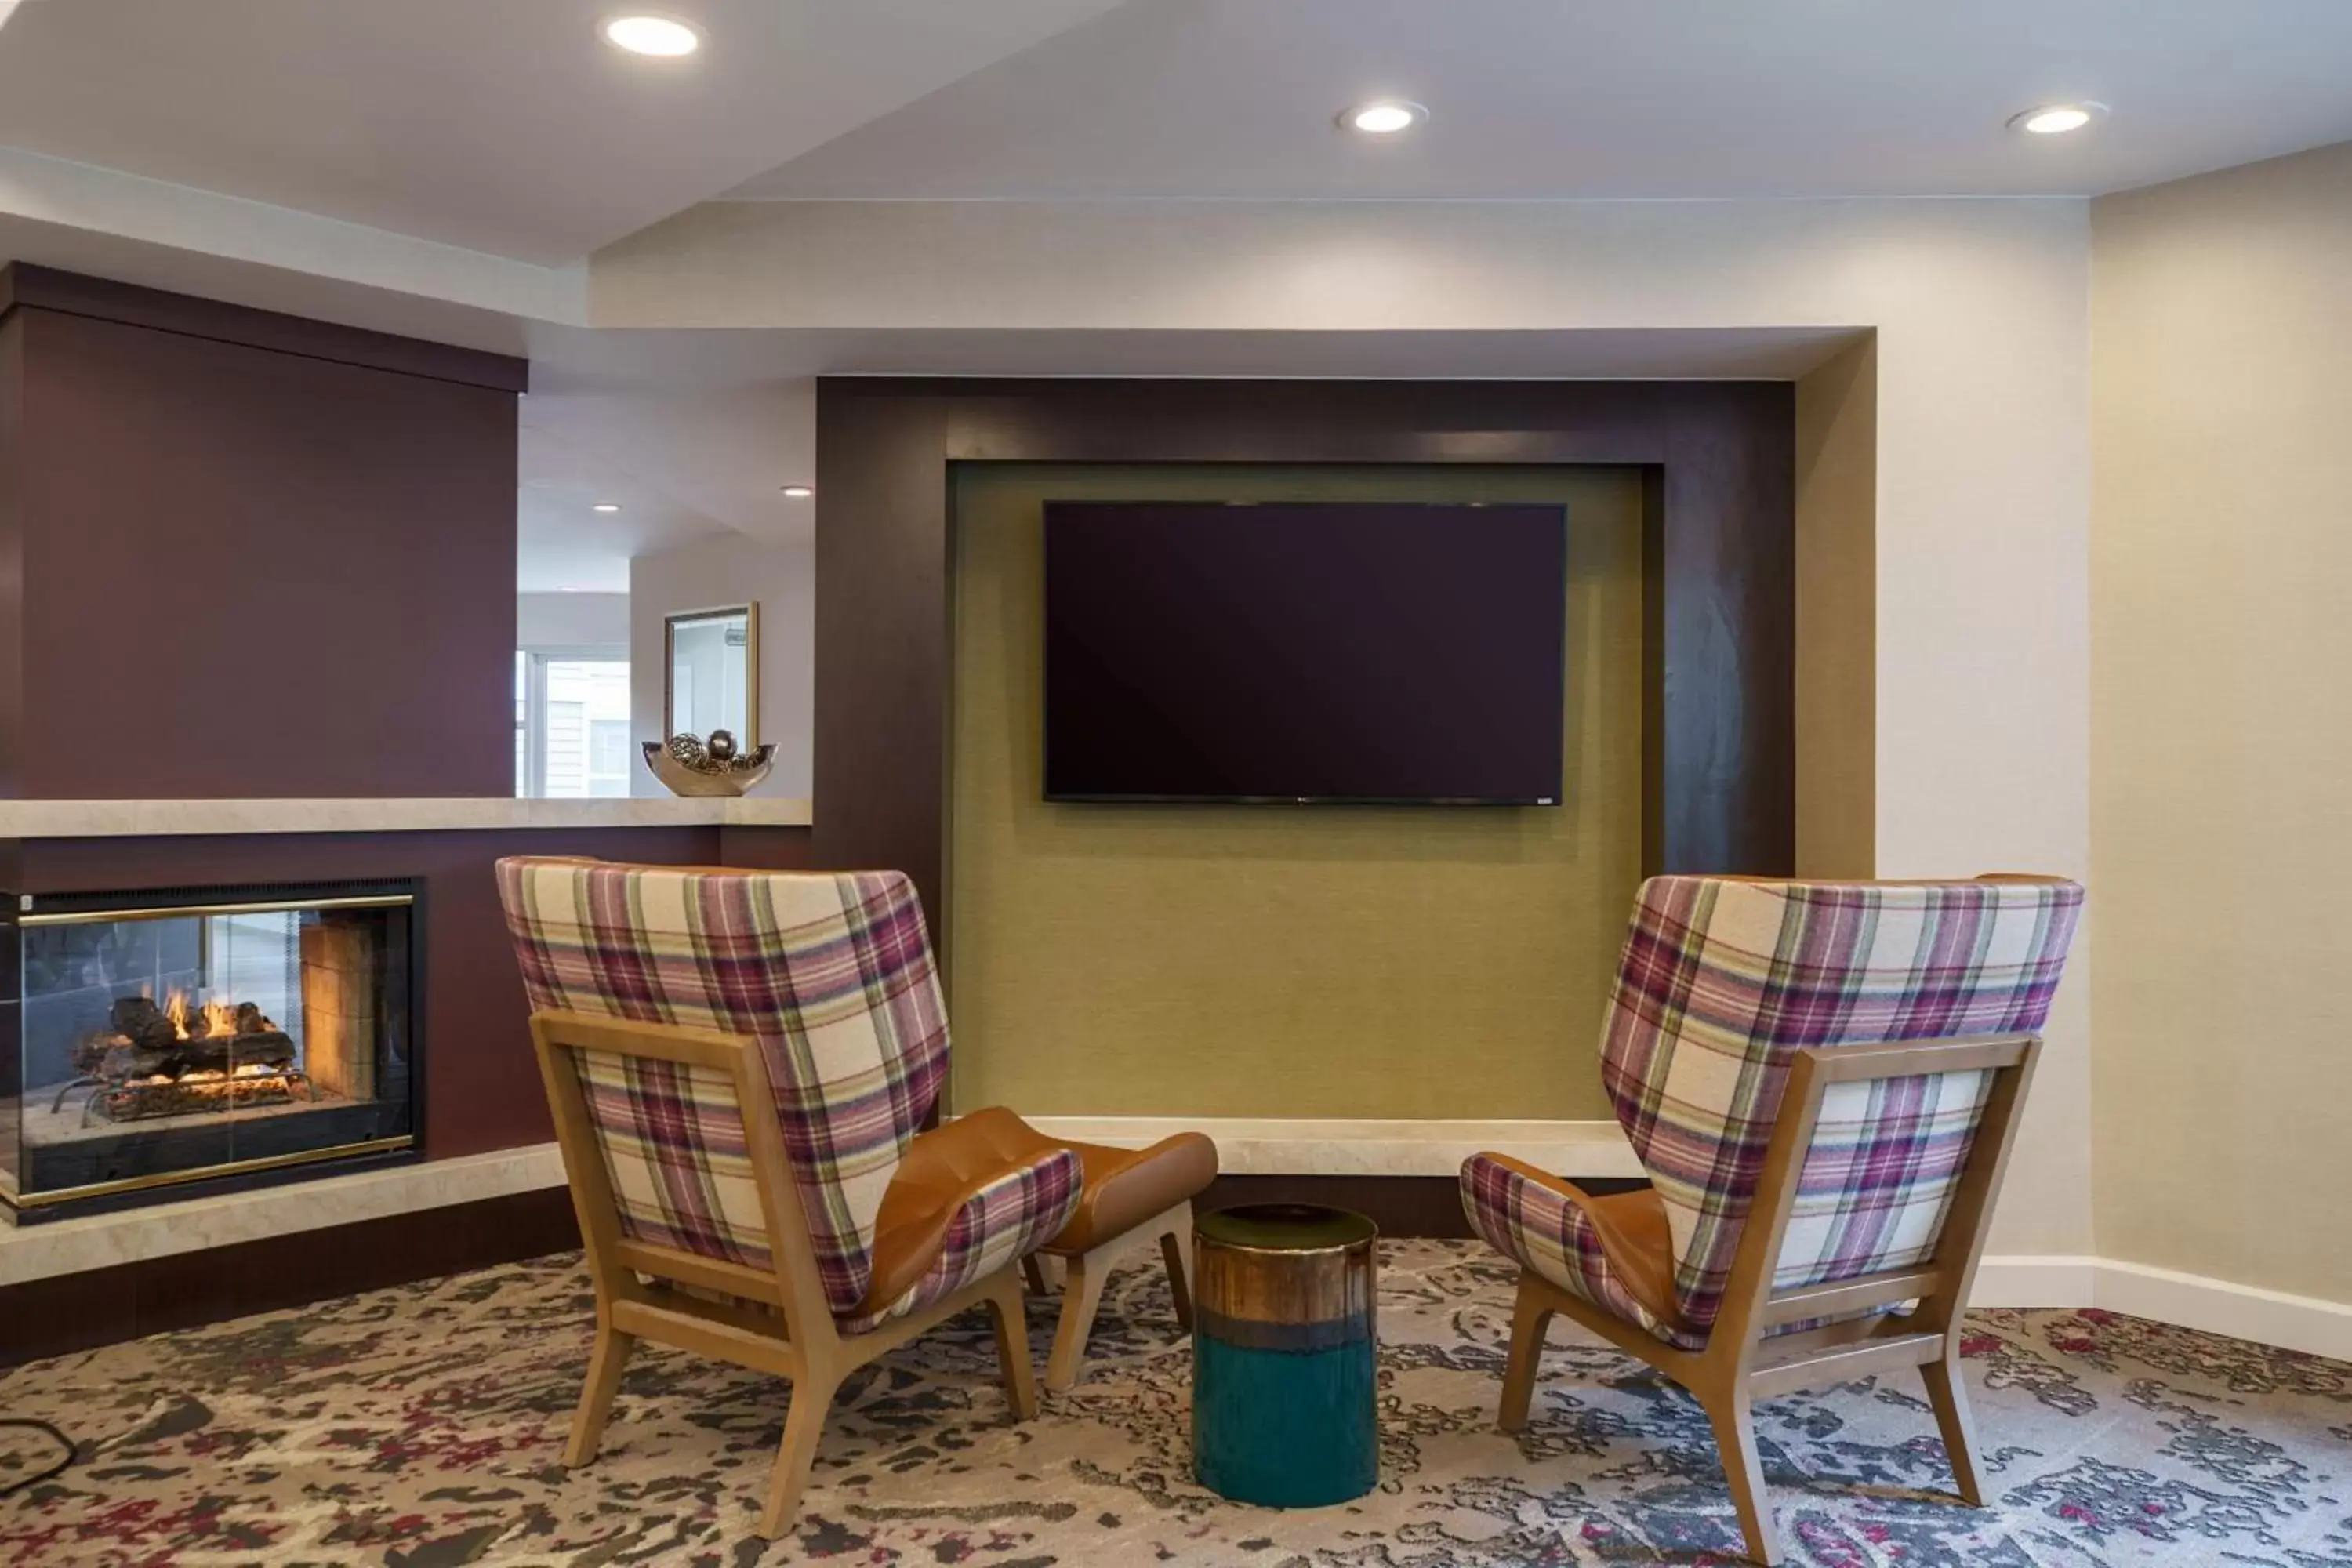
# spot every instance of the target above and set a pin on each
(788, 1327)
(1740, 1364)
(1084, 1274)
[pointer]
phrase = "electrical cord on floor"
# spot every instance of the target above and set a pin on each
(11, 1488)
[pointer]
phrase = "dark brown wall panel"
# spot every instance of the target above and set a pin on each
(81, 295)
(882, 638)
(252, 572)
(12, 554)
(1725, 592)
(1720, 671)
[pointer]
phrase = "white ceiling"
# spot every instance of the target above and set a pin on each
(505, 126)
(683, 462)
(1558, 99)
(564, 545)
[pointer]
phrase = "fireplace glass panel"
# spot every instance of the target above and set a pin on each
(160, 1047)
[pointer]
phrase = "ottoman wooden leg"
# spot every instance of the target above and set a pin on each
(1176, 1250)
(1084, 1276)
(1082, 1288)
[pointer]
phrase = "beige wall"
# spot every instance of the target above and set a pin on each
(730, 569)
(1980, 631)
(571, 620)
(2222, 730)
(1253, 961)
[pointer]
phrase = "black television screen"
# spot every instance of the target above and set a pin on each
(1303, 652)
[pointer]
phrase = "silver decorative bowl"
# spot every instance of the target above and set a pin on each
(685, 767)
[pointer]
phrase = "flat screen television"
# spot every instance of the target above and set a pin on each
(1304, 652)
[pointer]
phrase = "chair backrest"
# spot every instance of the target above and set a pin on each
(676, 1164)
(831, 974)
(1723, 982)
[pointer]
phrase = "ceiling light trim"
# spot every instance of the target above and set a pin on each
(651, 34)
(2058, 119)
(1382, 118)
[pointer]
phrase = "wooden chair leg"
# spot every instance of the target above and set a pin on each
(1529, 1319)
(1734, 1418)
(1950, 1399)
(1176, 1250)
(1011, 1320)
(804, 1426)
(1082, 1288)
(1035, 1273)
(606, 1362)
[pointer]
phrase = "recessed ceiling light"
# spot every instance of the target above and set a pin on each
(1382, 116)
(607, 506)
(2057, 119)
(664, 37)
(798, 493)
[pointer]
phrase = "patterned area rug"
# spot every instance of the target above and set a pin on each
(421, 1426)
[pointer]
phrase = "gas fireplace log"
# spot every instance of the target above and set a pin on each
(128, 1013)
(215, 1053)
(219, 1053)
(140, 1101)
(139, 1022)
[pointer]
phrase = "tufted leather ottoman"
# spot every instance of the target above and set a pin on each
(1128, 1199)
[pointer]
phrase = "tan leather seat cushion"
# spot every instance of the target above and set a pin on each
(1125, 1187)
(1121, 1189)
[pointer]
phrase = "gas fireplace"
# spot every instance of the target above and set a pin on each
(156, 1044)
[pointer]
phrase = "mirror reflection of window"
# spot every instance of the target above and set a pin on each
(572, 723)
(712, 673)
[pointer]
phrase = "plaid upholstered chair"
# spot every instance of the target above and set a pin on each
(738, 1064)
(1822, 1080)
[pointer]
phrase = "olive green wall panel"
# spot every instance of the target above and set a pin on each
(1297, 962)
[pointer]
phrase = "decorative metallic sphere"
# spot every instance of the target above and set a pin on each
(721, 745)
(687, 749)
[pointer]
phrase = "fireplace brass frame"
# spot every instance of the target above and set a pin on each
(366, 1154)
(17, 1201)
(178, 911)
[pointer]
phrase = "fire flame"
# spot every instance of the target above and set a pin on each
(220, 1018)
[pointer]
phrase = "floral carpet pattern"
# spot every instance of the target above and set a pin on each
(421, 1427)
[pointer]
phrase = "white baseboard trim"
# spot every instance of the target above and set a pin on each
(2292, 1322)
(2026, 1280)
(1262, 1146)
(2303, 1323)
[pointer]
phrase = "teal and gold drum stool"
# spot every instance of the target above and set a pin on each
(1284, 1411)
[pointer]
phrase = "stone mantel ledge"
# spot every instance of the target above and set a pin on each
(173, 818)
(75, 1245)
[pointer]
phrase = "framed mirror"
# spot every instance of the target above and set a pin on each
(710, 673)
